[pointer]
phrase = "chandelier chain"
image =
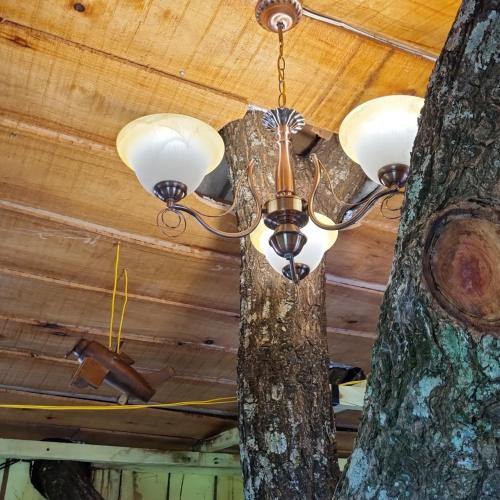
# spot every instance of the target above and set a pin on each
(281, 69)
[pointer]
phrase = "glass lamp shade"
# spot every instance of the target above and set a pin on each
(381, 132)
(318, 242)
(170, 147)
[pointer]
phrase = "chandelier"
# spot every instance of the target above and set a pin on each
(171, 154)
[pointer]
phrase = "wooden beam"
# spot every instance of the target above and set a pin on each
(56, 339)
(221, 441)
(355, 284)
(113, 455)
(73, 138)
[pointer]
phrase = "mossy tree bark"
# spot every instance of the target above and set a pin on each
(285, 413)
(432, 401)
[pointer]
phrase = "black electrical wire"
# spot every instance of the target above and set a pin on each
(9, 462)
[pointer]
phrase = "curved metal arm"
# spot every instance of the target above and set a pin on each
(198, 217)
(367, 204)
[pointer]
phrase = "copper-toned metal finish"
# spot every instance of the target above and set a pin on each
(357, 215)
(288, 209)
(297, 273)
(284, 121)
(198, 217)
(394, 175)
(270, 13)
(287, 240)
(283, 174)
(170, 192)
(98, 364)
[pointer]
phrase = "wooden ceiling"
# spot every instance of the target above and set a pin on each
(71, 80)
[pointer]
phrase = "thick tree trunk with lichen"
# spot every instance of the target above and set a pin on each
(432, 405)
(285, 412)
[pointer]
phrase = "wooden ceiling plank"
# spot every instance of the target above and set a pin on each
(354, 351)
(74, 82)
(362, 254)
(38, 339)
(352, 309)
(131, 296)
(48, 302)
(31, 336)
(220, 46)
(13, 328)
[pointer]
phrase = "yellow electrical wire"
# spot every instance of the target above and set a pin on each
(207, 402)
(113, 298)
(125, 300)
(113, 303)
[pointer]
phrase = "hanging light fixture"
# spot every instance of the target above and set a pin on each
(318, 242)
(171, 154)
(379, 135)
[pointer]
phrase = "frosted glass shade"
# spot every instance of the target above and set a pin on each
(170, 147)
(381, 132)
(318, 242)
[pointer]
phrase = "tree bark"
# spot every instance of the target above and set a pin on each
(63, 480)
(432, 404)
(285, 413)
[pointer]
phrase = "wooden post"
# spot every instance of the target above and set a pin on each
(285, 413)
(431, 411)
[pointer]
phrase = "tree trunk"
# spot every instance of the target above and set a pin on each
(285, 412)
(432, 400)
(63, 480)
